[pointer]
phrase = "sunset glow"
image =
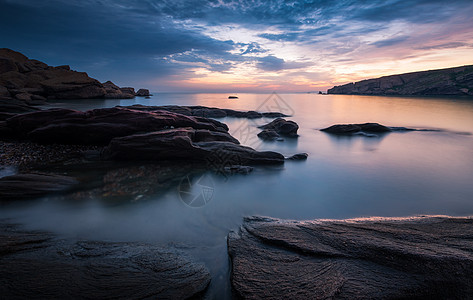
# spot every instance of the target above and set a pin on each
(245, 46)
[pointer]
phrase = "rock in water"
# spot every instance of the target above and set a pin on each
(419, 258)
(349, 129)
(298, 156)
(282, 127)
(142, 93)
(37, 265)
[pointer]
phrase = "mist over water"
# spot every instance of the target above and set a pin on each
(393, 175)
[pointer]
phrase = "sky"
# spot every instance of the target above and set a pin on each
(240, 46)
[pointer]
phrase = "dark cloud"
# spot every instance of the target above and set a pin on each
(390, 42)
(139, 39)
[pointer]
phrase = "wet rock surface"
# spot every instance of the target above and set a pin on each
(33, 185)
(417, 258)
(298, 156)
(208, 112)
(38, 265)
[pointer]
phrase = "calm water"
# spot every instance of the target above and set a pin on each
(398, 174)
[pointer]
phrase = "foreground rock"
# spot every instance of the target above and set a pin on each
(278, 128)
(420, 258)
(96, 127)
(208, 112)
(37, 265)
(32, 82)
(29, 186)
(188, 144)
(451, 81)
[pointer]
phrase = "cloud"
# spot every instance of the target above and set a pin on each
(390, 42)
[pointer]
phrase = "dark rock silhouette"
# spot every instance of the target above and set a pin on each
(298, 156)
(420, 258)
(451, 81)
(38, 265)
(143, 93)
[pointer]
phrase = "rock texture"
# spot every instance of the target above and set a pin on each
(32, 82)
(278, 128)
(208, 112)
(188, 144)
(417, 258)
(451, 81)
(98, 126)
(37, 265)
(29, 186)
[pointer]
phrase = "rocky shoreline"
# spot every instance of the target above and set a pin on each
(404, 258)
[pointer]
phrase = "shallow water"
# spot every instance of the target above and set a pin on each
(397, 174)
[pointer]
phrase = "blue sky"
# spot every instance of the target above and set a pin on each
(237, 46)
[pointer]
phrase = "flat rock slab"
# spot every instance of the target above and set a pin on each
(37, 265)
(416, 258)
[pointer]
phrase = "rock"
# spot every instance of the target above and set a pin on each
(23, 97)
(142, 93)
(18, 72)
(75, 85)
(27, 186)
(208, 112)
(282, 127)
(236, 169)
(232, 97)
(13, 80)
(99, 126)
(4, 92)
(187, 144)
(15, 106)
(7, 65)
(268, 135)
(349, 129)
(38, 265)
(128, 90)
(114, 92)
(415, 258)
(451, 81)
(298, 156)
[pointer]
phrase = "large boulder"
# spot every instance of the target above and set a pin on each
(99, 126)
(39, 265)
(415, 258)
(187, 144)
(7, 65)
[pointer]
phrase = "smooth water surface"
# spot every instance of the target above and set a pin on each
(397, 174)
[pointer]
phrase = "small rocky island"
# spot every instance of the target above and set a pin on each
(452, 81)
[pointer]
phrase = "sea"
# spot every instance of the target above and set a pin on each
(399, 174)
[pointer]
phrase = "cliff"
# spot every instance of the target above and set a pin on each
(25, 82)
(451, 81)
